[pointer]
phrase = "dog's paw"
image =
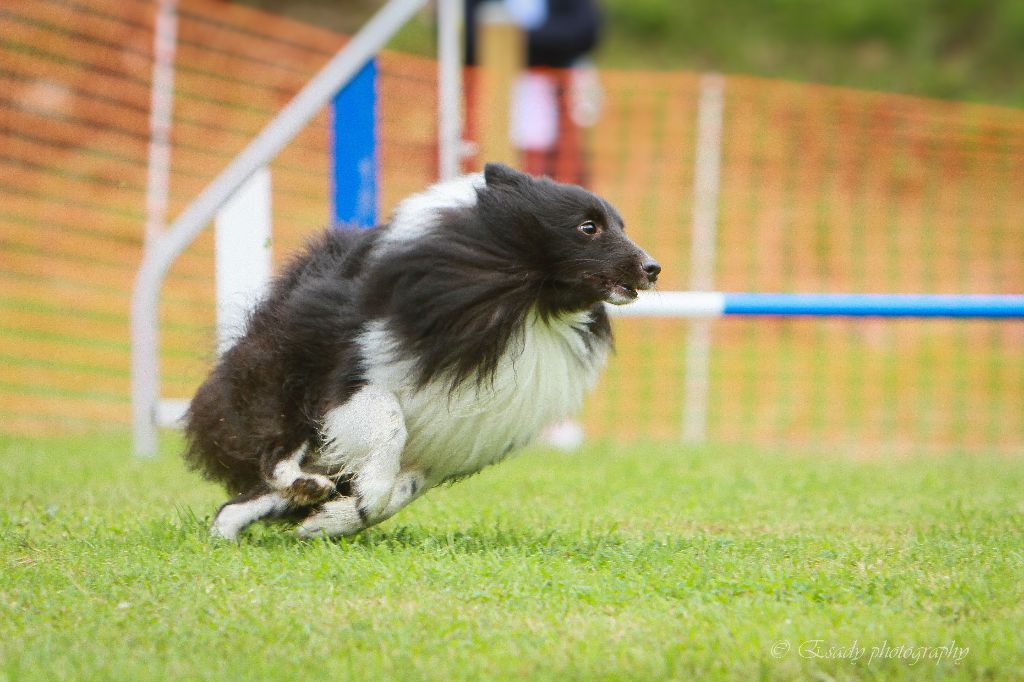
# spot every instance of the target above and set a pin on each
(220, 532)
(311, 528)
(309, 489)
(229, 522)
(336, 518)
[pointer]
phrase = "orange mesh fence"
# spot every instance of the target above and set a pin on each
(822, 189)
(74, 130)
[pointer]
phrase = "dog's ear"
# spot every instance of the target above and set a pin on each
(498, 174)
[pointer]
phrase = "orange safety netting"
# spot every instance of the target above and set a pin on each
(822, 189)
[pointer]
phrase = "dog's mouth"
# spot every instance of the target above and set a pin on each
(618, 293)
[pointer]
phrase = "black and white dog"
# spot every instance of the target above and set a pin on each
(384, 362)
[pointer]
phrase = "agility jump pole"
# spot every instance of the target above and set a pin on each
(707, 305)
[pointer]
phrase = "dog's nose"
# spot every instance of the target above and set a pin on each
(652, 269)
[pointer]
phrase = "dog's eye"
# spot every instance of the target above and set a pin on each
(588, 228)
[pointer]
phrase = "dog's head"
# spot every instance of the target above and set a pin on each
(575, 239)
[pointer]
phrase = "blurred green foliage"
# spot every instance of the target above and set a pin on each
(956, 49)
(953, 49)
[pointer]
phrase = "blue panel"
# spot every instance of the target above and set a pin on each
(354, 155)
(877, 305)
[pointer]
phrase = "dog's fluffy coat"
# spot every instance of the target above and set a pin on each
(384, 362)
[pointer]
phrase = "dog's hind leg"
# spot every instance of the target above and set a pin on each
(364, 438)
(243, 510)
(301, 487)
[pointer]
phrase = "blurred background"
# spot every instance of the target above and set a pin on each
(866, 146)
(935, 48)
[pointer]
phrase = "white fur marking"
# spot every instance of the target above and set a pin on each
(287, 470)
(408, 486)
(417, 215)
(364, 437)
(542, 377)
(618, 297)
(366, 423)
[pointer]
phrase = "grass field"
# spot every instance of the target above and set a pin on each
(647, 562)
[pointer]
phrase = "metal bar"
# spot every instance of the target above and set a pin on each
(687, 304)
(449, 86)
(876, 305)
(704, 305)
(696, 381)
(706, 182)
(158, 259)
(145, 376)
(161, 103)
(355, 155)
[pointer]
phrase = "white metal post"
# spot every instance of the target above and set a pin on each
(145, 376)
(242, 255)
(161, 104)
(702, 254)
(449, 87)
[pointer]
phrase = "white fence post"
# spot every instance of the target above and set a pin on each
(449, 87)
(145, 368)
(242, 238)
(702, 254)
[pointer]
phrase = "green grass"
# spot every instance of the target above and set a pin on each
(641, 562)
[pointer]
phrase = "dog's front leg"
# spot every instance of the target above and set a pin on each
(363, 438)
(234, 515)
(341, 516)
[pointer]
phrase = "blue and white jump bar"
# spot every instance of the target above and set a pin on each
(705, 305)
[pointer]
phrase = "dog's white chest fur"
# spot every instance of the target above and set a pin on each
(542, 377)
